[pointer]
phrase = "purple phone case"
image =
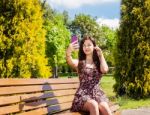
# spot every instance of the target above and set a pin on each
(74, 38)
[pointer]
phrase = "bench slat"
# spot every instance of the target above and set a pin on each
(72, 113)
(34, 105)
(18, 98)
(37, 88)
(16, 81)
(48, 110)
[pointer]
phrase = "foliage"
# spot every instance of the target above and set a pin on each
(66, 19)
(85, 24)
(57, 37)
(22, 39)
(133, 50)
(108, 47)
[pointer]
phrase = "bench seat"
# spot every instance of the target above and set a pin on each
(38, 96)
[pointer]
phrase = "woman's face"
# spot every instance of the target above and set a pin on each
(88, 47)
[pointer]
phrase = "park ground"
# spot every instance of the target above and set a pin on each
(127, 105)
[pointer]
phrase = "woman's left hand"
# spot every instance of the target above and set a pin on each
(99, 51)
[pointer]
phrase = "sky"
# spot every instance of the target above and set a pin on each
(106, 11)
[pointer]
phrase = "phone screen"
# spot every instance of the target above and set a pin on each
(74, 38)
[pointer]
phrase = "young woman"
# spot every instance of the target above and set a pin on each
(90, 67)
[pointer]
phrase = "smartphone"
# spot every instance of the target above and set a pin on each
(74, 38)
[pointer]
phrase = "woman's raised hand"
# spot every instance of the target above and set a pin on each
(73, 46)
(99, 51)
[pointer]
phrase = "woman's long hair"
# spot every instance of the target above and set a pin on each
(82, 55)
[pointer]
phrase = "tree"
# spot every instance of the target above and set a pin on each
(57, 40)
(83, 24)
(109, 36)
(57, 37)
(66, 18)
(133, 50)
(22, 43)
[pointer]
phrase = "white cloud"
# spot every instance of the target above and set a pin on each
(112, 23)
(77, 3)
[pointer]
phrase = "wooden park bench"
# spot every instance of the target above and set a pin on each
(38, 96)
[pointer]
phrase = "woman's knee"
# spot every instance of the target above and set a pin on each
(104, 108)
(91, 105)
(104, 104)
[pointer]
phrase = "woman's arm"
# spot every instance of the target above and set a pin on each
(103, 64)
(72, 62)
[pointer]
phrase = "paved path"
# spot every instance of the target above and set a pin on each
(139, 111)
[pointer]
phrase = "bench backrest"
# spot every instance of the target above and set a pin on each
(41, 96)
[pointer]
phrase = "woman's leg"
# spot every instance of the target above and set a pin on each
(104, 108)
(92, 107)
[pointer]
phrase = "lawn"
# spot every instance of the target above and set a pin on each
(124, 102)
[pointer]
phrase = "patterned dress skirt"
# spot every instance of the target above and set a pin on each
(89, 89)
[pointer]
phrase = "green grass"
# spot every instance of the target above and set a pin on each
(125, 102)
(107, 83)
